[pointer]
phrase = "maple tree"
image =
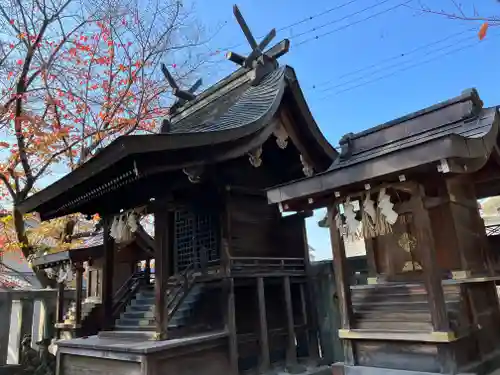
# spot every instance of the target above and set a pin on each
(73, 77)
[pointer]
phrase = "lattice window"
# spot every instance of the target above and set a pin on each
(493, 230)
(196, 239)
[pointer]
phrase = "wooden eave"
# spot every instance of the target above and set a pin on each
(83, 254)
(68, 256)
(459, 131)
(130, 159)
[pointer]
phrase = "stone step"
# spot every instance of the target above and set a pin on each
(119, 327)
(135, 322)
(137, 308)
(127, 335)
(143, 301)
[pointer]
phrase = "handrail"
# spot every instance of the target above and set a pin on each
(128, 289)
(175, 299)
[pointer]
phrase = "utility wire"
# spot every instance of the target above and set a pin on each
(395, 65)
(470, 45)
(389, 59)
(352, 24)
(333, 22)
(379, 3)
(299, 22)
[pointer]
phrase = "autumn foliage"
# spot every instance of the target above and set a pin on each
(483, 30)
(73, 77)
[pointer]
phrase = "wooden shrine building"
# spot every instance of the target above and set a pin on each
(231, 289)
(410, 188)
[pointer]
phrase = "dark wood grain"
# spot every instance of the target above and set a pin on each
(264, 341)
(342, 283)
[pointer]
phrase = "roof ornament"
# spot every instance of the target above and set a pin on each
(183, 96)
(261, 62)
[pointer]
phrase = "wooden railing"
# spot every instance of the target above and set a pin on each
(124, 294)
(31, 312)
(178, 291)
(266, 264)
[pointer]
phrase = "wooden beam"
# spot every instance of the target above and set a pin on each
(291, 355)
(264, 340)
(162, 265)
(108, 273)
(231, 327)
(342, 284)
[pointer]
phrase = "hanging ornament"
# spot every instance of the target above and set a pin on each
(120, 229)
(255, 157)
(113, 233)
(281, 136)
(132, 222)
(384, 202)
(384, 208)
(369, 217)
(353, 225)
(306, 168)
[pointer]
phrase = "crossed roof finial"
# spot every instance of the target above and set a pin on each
(259, 60)
(183, 96)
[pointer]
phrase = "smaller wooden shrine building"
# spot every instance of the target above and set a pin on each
(83, 257)
(410, 188)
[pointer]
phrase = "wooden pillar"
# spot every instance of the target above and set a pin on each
(370, 246)
(431, 269)
(264, 340)
(433, 279)
(79, 295)
(231, 327)
(89, 281)
(108, 273)
(5, 313)
(342, 284)
(163, 242)
(291, 355)
(60, 303)
(225, 229)
(147, 271)
(308, 301)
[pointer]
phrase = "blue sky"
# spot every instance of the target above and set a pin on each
(401, 82)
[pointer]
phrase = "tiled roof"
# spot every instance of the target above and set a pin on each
(238, 106)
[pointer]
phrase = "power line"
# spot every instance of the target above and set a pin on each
(299, 22)
(333, 22)
(353, 23)
(403, 69)
(398, 56)
(395, 65)
(340, 19)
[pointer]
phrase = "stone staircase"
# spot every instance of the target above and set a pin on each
(87, 306)
(139, 313)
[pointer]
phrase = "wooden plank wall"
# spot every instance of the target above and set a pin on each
(256, 229)
(253, 226)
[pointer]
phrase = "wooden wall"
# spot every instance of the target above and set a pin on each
(256, 229)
